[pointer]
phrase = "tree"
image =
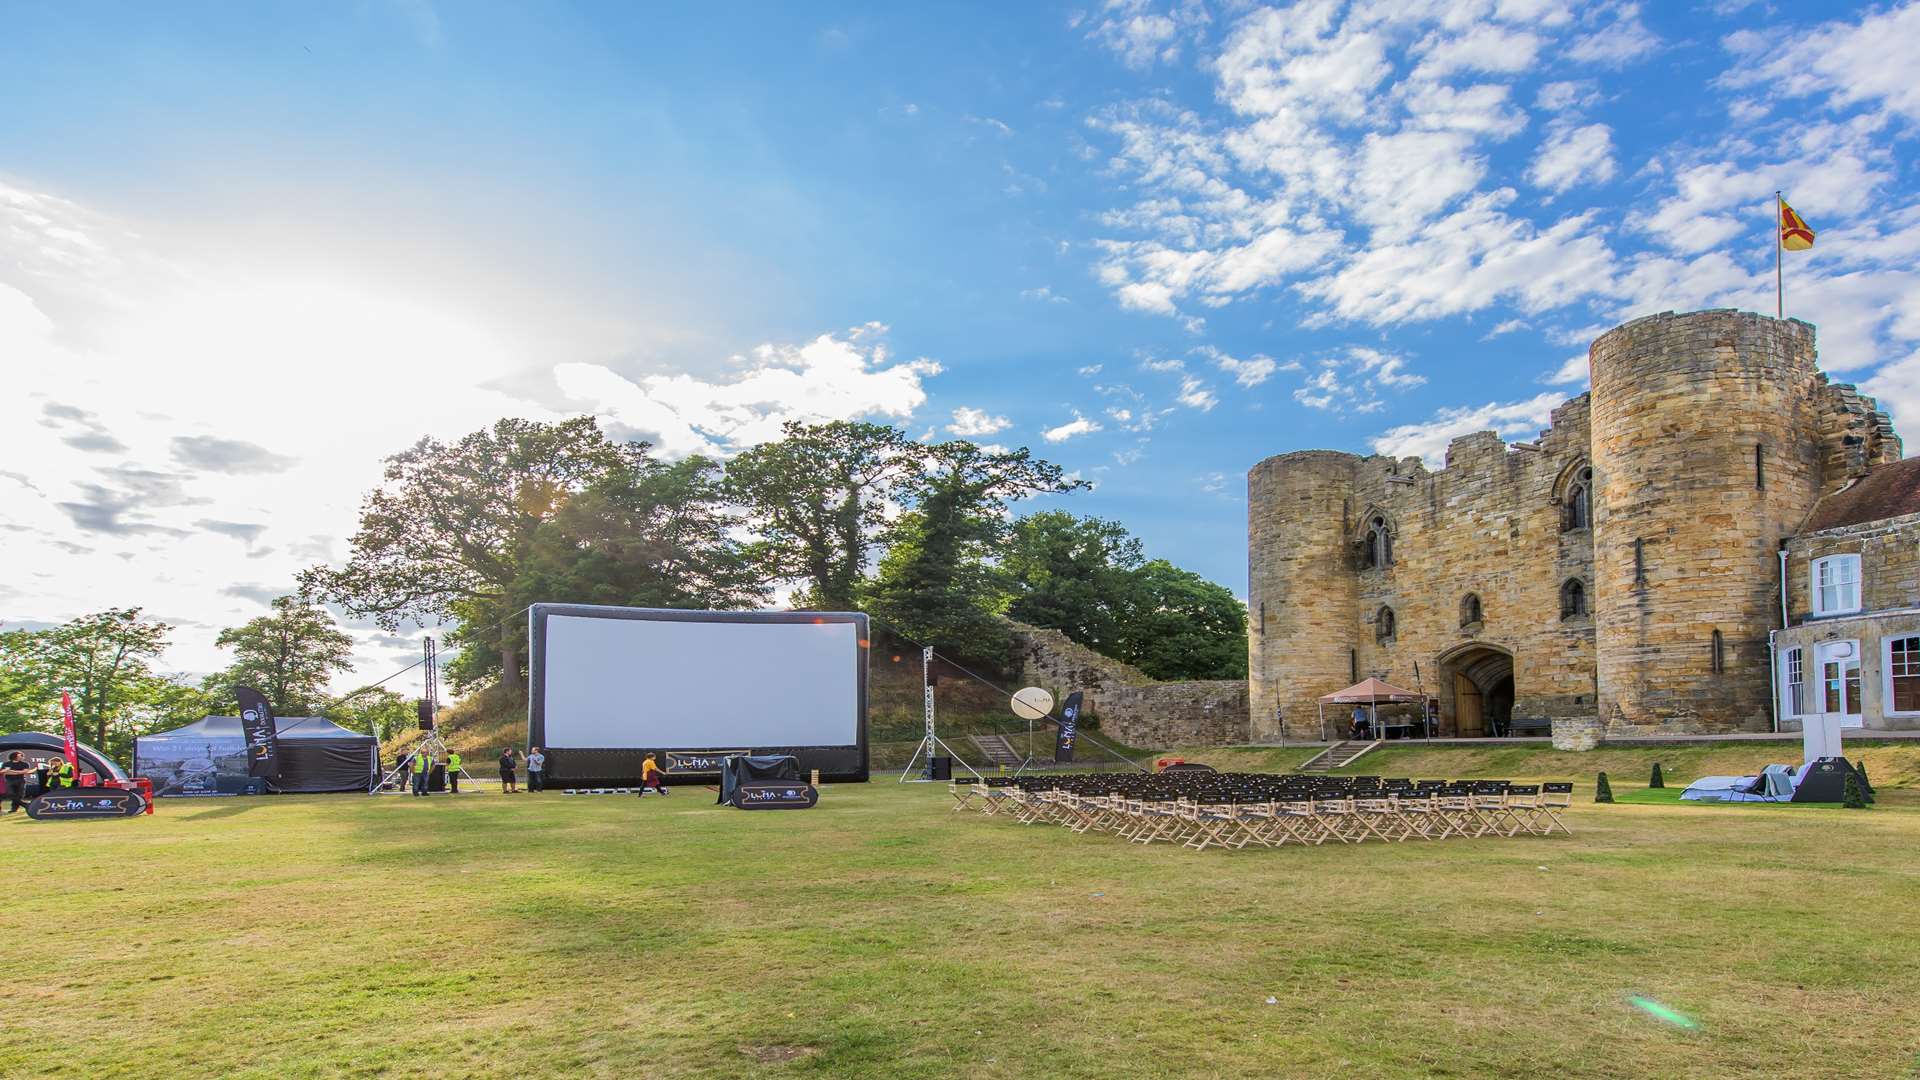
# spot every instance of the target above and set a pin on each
(104, 660)
(1602, 791)
(446, 534)
(936, 584)
(1179, 625)
(375, 711)
(288, 656)
(1072, 574)
(818, 501)
(98, 658)
(647, 534)
(1657, 780)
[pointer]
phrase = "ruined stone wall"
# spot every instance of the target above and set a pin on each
(1686, 526)
(1855, 435)
(1131, 707)
(1162, 715)
(1489, 524)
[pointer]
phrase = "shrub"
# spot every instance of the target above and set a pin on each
(1658, 780)
(1854, 798)
(1866, 786)
(1602, 791)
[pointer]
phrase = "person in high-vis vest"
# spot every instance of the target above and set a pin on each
(422, 771)
(61, 775)
(453, 772)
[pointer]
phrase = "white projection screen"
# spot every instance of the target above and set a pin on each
(611, 684)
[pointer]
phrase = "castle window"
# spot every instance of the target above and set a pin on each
(1470, 609)
(1573, 599)
(1794, 678)
(1836, 584)
(1719, 653)
(1759, 466)
(1383, 625)
(1378, 550)
(1903, 675)
(1578, 511)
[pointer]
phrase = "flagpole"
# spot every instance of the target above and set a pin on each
(1779, 290)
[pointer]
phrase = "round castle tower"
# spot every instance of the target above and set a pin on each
(1705, 443)
(1301, 589)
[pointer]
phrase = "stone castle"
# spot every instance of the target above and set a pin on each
(1621, 572)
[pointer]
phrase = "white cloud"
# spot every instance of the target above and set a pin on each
(1078, 426)
(829, 378)
(970, 423)
(1850, 63)
(1195, 394)
(1043, 293)
(1090, 370)
(1484, 48)
(1573, 155)
(1249, 372)
(1571, 370)
(1386, 369)
(1621, 41)
(1429, 440)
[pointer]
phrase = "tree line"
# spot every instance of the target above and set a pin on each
(847, 515)
(832, 516)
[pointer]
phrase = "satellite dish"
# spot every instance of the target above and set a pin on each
(1032, 703)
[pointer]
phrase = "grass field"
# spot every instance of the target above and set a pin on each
(881, 935)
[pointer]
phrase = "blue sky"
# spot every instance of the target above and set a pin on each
(245, 251)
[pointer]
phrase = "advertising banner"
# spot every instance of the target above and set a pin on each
(257, 727)
(1069, 729)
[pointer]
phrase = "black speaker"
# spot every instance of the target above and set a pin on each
(940, 768)
(426, 715)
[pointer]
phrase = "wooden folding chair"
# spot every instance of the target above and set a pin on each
(963, 792)
(1554, 797)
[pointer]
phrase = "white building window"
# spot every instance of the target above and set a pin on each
(1836, 584)
(1793, 680)
(1903, 675)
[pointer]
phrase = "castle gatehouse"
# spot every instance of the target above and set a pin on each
(1622, 571)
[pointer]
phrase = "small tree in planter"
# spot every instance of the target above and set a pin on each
(1602, 791)
(1853, 798)
(1866, 785)
(1658, 780)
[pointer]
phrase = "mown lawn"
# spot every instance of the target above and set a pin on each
(881, 935)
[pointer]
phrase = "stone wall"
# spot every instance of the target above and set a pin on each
(1176, 714)
(1132, 708)
(1489, 524)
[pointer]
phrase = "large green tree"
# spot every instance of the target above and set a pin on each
(937, 583)
(448, 532)
(1179, 625)
(1072, 574)
(376, 711)
(288, 655)
(817, 500)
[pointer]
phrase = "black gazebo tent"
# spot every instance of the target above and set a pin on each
(208, 757)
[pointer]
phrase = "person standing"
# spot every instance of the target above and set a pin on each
(15, 771)
(536, 769)
(453, 771)
(422, 771)
(506, 771)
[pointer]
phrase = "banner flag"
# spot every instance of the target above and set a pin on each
(256, 724)
(1069, 729)
(66, 717)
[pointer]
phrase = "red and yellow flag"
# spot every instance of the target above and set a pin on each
(1794, 233)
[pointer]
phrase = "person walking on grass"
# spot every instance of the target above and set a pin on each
(453, 772)
(536, 769)
(16, 771)
(650, 777)
(506, 772)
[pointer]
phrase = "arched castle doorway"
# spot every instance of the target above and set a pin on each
(1479, 680)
